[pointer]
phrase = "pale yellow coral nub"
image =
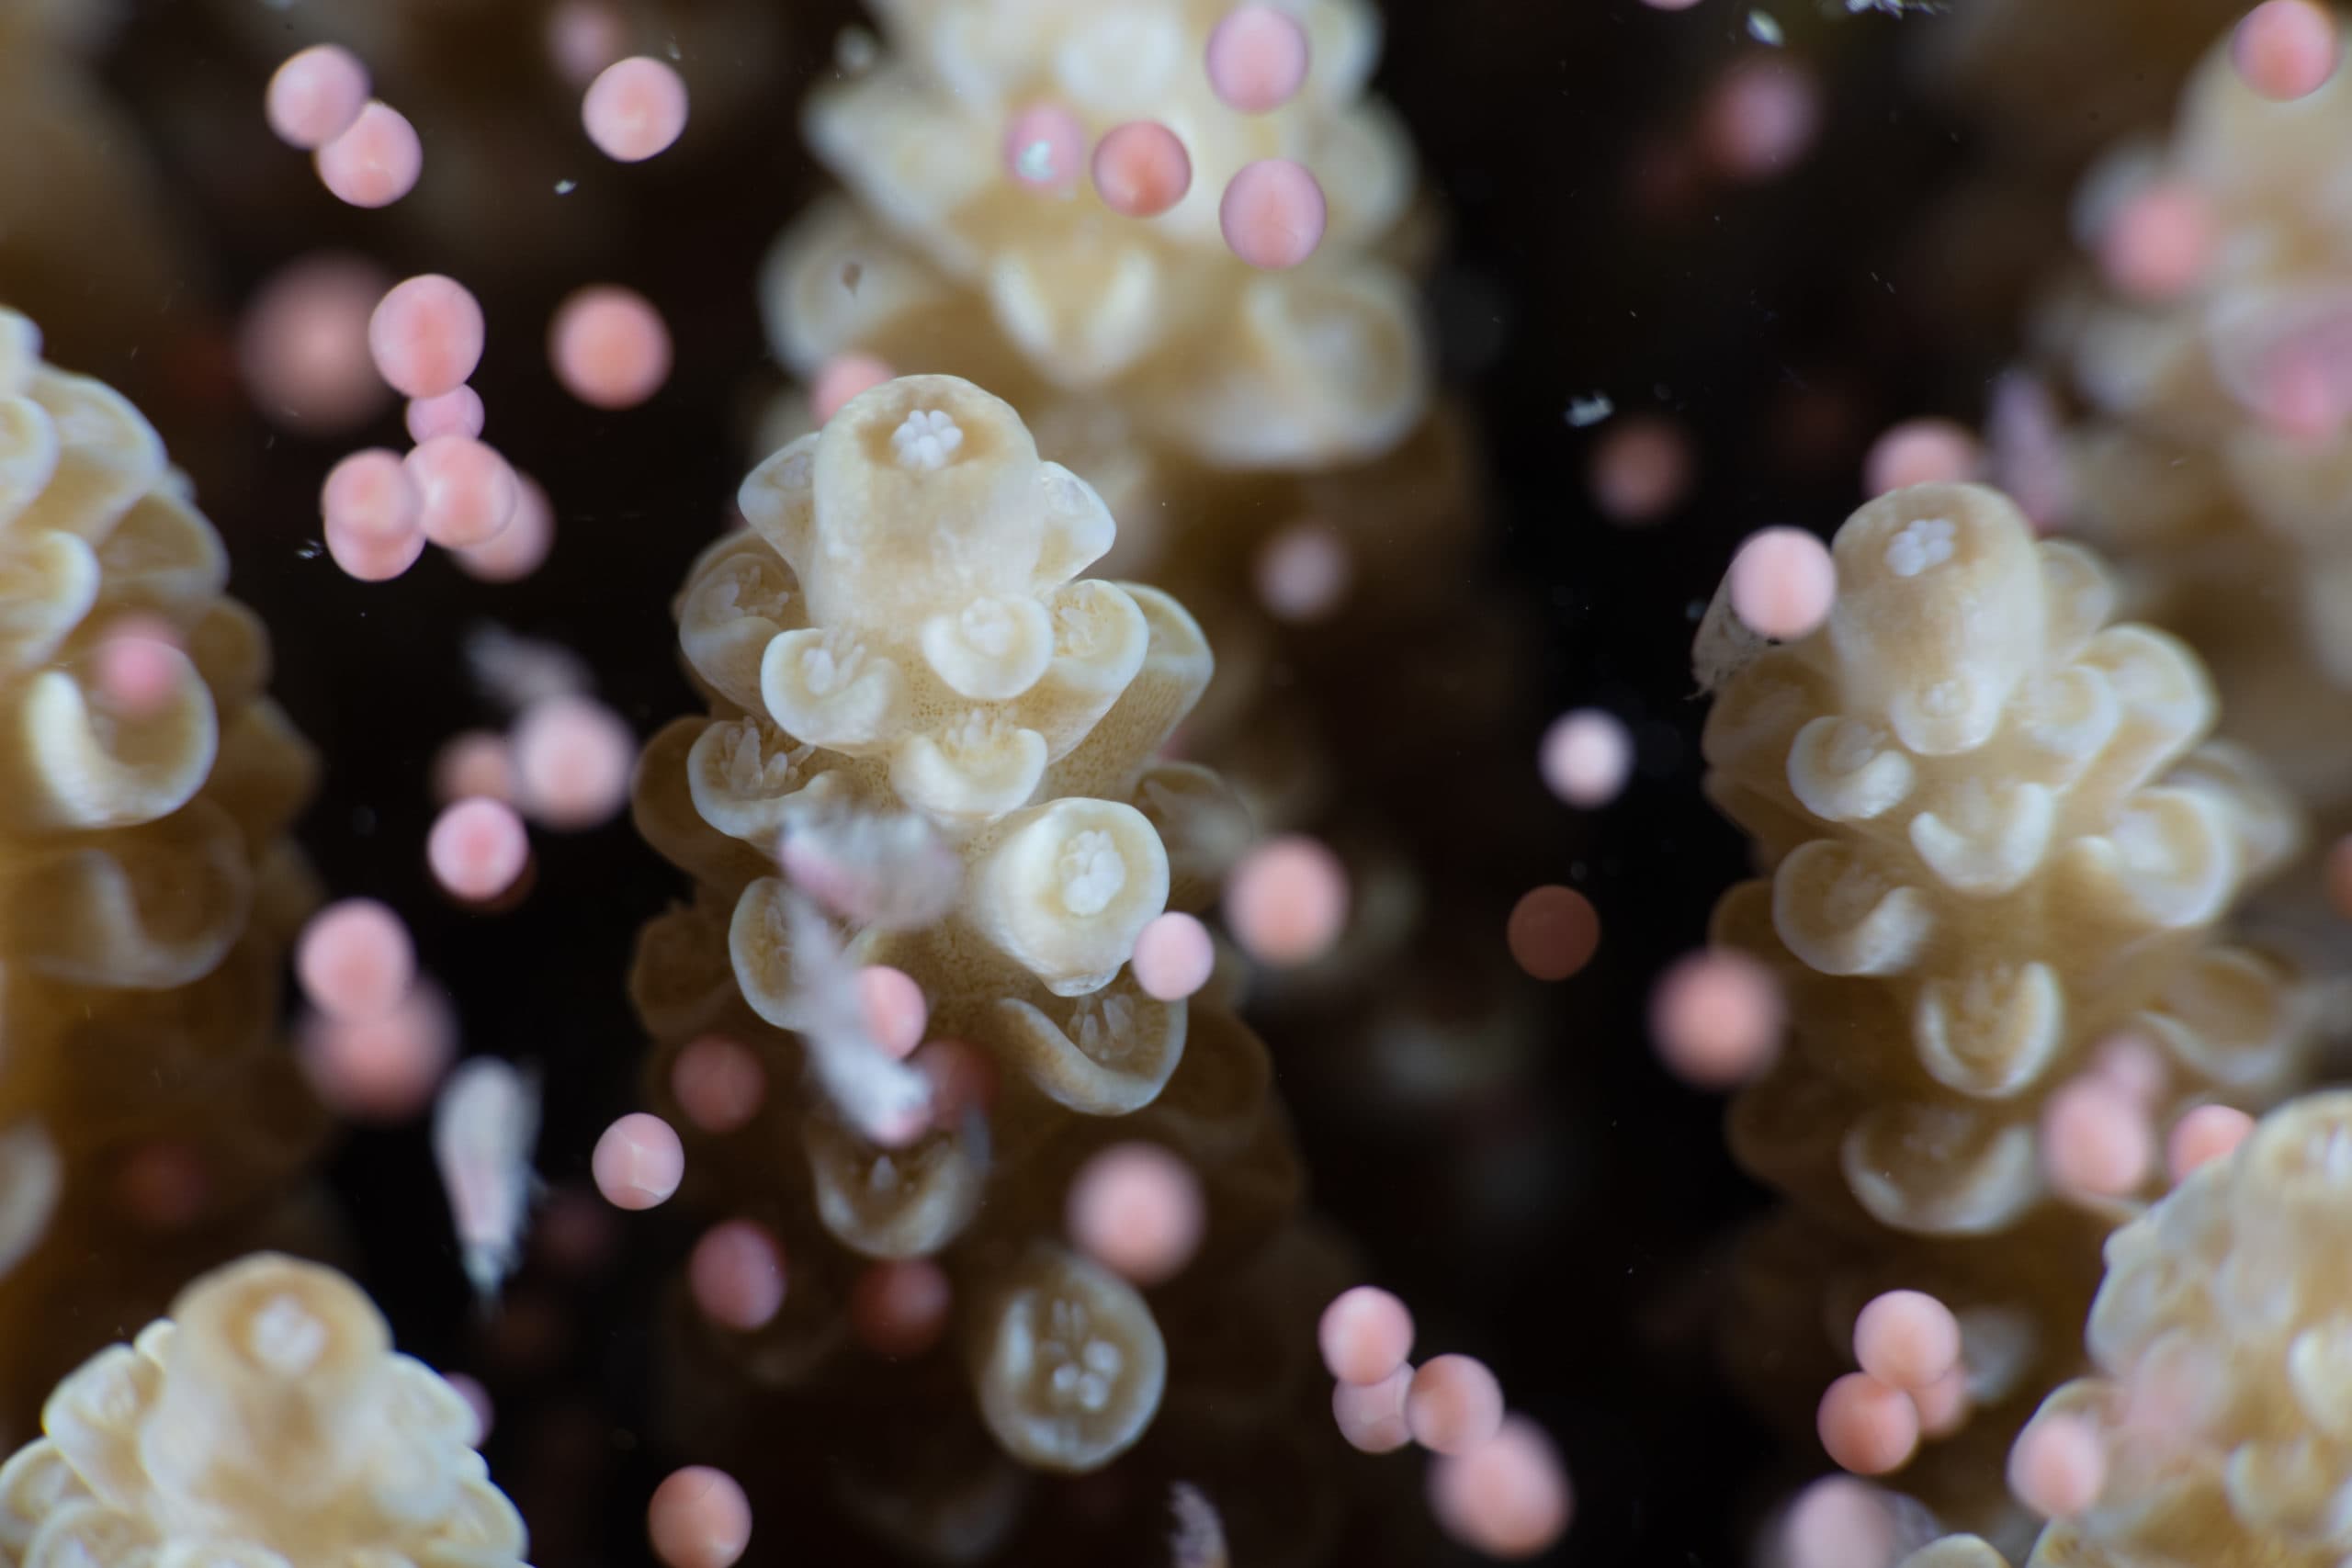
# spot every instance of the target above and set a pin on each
(908, 644)
(1992, 846)
(266, 1422)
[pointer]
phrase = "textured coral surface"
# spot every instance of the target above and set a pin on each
(147, 891)
(1993, 845)
(2220, 1346)
(902, 631)
(266, 1422)
(1048, 289)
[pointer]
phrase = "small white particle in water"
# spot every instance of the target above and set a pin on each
(1764, 29)
(1583, 412)
(565, 187)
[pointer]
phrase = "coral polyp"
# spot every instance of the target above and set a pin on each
(267, 1421)
(148, 893)
(907, 671)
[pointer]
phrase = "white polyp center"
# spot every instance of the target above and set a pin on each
(825, 667)
(974, 733)
(286, 1336)
(926, 440)
(1851, 898)
(1083, 1376)
(1092, 872)
(988, 628)
(1036, 161)
(1924, 543)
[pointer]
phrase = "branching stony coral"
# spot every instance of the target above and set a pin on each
(1997, 859)
(265, 1422)
(2196, 464)
(147, 891)
(2219, 1344)
(902, 633)
(1992, 848)
(1038, 286)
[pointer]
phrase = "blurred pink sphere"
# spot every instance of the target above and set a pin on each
(1921, 451)
(1303, 571)
(1257, 58)
(465, 491)
(455, 412)
(2096, 1142)
(1759, 118)
(1454, 1404)
(1286, 900)
(1508, 1498)
(1717, 1018)
(474, 761)
(2285, 49)
(895, 1009)
(1137, 1209)
(698, 1518)
(1553, 932)
(1586, 757)
(477, 848)
(380, 1068)
(584, 36)
(354, 960)
(2203, 1135)
(2059, 1466)
(609, 347)
(1272, 214)
(139, 664)
(636, 108)
(1641, 470)
(1867, 1427)
(1906, 1339)
(522, 546)
(2160, 244)
(737, 1274)
(1045, 147)
(718, 1083)
(1782, 584)
(844, 377)
(1141, 169)
(372, 516)
(1173, 956)
(1839, 1522)
(898, 1309)
(427, 335)
(315, 95)
(1370, 1416)
(639, 1162)
(572, 760)
(303, 344)
(1365, 1335)
(374, 163)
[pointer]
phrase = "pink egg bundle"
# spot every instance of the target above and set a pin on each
(377, 1039)
(1912, 1384)
(1287, 900)
(425, 339)
(1496, 1484)
(365, 151)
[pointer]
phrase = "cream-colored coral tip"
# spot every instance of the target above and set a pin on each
(926, 498)
(267, 1418)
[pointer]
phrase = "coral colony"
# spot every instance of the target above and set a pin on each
(1084, 678)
